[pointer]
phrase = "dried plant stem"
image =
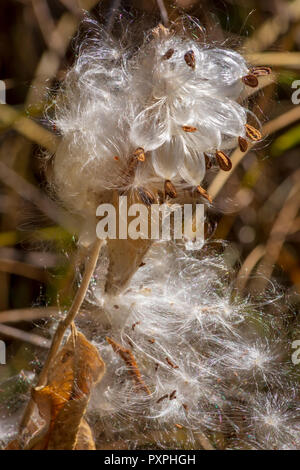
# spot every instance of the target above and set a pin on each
(27, 314)
(31, 193)
(247, 267)
(112, 14)
(28, 128)
(163, 13)
(277, 237)
(269, 31)
(276, 59)
(64, 325)
(24, 336)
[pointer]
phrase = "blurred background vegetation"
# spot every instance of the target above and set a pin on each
(256, 206)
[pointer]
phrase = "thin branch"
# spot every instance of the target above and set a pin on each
(29, 192)
(44, 18)
(163, 13)
(64, 325)
(27, 314)
(50, 61)
(276, 59)
(23, 269)
(247, 267)
(28, 128)
(278, 234)
(112, 14)
(24, 336)
(269, 31)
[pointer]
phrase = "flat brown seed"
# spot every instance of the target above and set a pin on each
(224, 162)
(253, 133)
(146, 196)
(172, 395)
(168, 54)
(243, 144)
(134, 325)
(171, 363)
(250, 80)
(139, 153)
(189, 128)
(208, 163)
(204, 193)
(189, 58)
(170, 189)
(261, 71)
(162, 398)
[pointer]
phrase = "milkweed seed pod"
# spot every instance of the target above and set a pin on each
(148, 120)
(182, 348)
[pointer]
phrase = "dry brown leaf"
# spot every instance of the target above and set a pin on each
(62, 402)
(13, 445)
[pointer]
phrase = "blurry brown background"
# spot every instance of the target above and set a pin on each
(256, 206)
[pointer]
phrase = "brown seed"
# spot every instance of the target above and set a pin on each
(208, 163)
(250, 80)
(162, 398)
(179, 426)
(152, 340)
(116, 158)
(173, 395)
(189, 128)
(224, 162)
(253, 133)
(243, 144)
(146, 196)
(170, 189)
(171, 363)
(204, 193)
(261, 71)
(189, 58)
(139, 153)
(134, 325)
(185, 406)
(168, 54)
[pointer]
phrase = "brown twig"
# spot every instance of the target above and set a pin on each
(163, 13)
(24, 336)
(23, 269)
(112, 14)
(27, 314)
(269, 31)
(276, 59)
(247, 267)
(64, 325)
(277, 237)
(29, 192)
(28, 128)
